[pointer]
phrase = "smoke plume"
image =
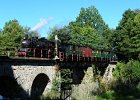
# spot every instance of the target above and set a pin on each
(41, 24)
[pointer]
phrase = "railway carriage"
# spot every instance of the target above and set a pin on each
(43, 48)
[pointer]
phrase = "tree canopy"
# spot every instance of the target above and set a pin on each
(11, 34)
(89, 29)
(63, 34)
(126, 38)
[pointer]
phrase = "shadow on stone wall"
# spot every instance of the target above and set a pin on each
(100, 67)
(39, 85)
(9, 87)
(78, 71)
(78, 75)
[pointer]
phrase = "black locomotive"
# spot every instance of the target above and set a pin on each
(43, 48)
(36, 47)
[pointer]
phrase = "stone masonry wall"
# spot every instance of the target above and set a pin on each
(26, 74)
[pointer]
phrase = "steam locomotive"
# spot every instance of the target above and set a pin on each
(36, 47)
(43, 48)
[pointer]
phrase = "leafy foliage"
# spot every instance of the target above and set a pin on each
(126, 85)
(1, 34)
(11, 34)
(52, 95)
(89, 29)
(128, 73)
(33, 34)
(84, 36)
(126, 38)
(62, 33)
(56, 82)
(66, 77)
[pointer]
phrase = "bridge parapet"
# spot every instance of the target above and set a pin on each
(33, 75)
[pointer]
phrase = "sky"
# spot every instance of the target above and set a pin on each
(42, 15)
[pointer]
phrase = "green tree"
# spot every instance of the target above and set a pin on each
(126, 38)
(62, 33)
(84, 36)
(89, 28)
(128, 73)
(33, 34)
(0, 37)
(12, 34)
(27, 30)
(135, 37)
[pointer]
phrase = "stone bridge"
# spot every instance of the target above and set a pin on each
(28, 77)
(32, 77)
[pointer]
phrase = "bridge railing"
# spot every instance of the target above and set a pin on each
(8, 52)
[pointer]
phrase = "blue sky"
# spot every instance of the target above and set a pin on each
(41, 15)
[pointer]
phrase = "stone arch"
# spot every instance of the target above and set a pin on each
(8, 87)
(39, 84)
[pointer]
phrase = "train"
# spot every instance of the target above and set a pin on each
(44, 48)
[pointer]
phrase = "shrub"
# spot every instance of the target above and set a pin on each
(52, 95)
(128, 73)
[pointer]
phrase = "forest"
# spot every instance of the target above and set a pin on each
(90, 29)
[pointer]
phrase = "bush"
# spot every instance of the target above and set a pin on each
(127, 76)
(52, 95)
(128, 73)
(126, 85)
(109, 95)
